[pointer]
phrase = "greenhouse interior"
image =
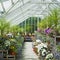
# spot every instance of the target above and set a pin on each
(29, 29)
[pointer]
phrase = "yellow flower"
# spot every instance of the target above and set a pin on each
(12, 47)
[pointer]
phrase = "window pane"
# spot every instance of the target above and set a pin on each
(1, 7)
(15, 1)
(3, 0)
(7, 5)
(25, 1)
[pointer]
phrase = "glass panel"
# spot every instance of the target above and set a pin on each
(19, 20)
(1, 7)
(19, 11)
(16, 7)
(3, 0)
(58, 0)
(25, 1)
(15, 1)
(7, 4)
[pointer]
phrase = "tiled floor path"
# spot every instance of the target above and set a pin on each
(27, 52)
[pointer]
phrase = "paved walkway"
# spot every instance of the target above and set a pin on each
(27, 52)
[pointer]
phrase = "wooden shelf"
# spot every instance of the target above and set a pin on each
(10, 57)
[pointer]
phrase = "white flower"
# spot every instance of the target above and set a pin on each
(49, 56)
(40, 46)
(7, 43)
(44, 52)
(38, 40)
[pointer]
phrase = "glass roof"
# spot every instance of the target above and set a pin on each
(16, 11)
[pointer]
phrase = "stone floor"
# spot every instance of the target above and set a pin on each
(27, 52)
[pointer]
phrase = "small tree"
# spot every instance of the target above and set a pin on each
(15, 29)
(4, 25)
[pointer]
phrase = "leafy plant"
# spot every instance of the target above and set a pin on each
(51, 21)
(58, 47)
(4, 25)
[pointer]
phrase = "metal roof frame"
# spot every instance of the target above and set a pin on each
(22, 10)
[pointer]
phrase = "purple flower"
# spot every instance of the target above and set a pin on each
(47, 31)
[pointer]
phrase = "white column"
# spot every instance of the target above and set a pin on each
(34, 23)
(25, 26)
(31, 24)
(37, 22)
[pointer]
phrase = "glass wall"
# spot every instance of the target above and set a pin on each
(30, 24)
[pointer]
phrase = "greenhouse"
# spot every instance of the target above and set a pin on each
(29, 29)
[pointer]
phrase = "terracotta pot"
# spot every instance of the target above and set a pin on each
(48, 42)
(35, 50)
(13, 53)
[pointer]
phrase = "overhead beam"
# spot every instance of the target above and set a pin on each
(22, 1)
(19, 13)
(3, 0)
(21, 16)
(16, 8)
(19, 20)
(12, 2)
(45, 2)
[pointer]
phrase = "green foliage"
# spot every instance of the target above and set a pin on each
(15, 28)
(55, 16)
(51, 21)
(43, 24)
(30, 25)
(58, 47)
(4, 26)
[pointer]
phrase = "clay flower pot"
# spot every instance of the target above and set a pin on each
(13, 53)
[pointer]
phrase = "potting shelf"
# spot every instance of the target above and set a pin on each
(10, 57)
(5, 56)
